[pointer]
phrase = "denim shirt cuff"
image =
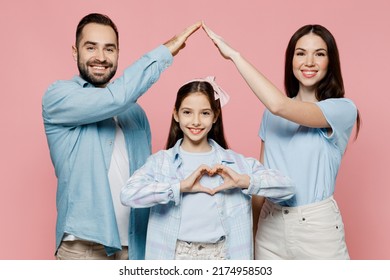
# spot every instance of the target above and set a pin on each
(162, 54)
(252, 187)
(174, 192)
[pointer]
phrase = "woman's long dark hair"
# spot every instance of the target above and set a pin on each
(332, 85)
(216, 133)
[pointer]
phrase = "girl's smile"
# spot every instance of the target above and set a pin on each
(195, 131)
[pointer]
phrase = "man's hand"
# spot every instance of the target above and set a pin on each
(179, 41)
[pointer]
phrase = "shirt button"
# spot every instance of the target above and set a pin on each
(286, 212)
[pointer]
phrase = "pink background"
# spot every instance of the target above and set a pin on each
(36, 39)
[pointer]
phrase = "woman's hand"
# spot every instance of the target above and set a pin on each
(226, 51)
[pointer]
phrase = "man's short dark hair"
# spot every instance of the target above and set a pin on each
(95, 18)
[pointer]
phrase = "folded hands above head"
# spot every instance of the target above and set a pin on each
(178, 42)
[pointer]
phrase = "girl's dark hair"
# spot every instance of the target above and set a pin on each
(95, 18)
(216, 133)
(331, 86)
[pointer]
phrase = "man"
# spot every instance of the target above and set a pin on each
(98, 136)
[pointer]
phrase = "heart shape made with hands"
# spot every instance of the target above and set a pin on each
(210, 172)
(213, 172)
(228, 176)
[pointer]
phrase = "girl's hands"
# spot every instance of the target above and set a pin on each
(192, 183)
(231, 180)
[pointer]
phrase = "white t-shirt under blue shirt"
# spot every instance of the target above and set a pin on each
(118, 174)
(309, 156)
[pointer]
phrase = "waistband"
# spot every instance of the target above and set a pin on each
(80, 243)
(300, 209)
(220, 240)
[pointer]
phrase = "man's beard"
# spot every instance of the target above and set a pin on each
(96, 80)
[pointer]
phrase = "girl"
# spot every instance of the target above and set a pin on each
(198, 190)
(304, 134)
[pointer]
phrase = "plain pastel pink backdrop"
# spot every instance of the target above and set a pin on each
(36, 40)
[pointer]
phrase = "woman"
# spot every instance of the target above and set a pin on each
(304, 135)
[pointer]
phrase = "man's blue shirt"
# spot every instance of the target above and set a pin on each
(80, 130)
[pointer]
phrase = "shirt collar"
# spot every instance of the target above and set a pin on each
(221, 153)
(83, 82)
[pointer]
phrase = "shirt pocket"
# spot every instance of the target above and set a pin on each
(236, 203)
